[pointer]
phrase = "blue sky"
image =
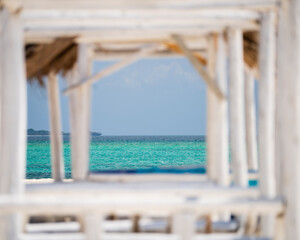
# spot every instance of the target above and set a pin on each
(150, 97)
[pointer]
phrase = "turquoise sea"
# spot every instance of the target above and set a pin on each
(121, 153)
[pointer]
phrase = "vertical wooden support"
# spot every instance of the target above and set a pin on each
(13, 117)
(93, 227)
(288, 113)
(217, 113)
(237, 107)
(211, 120)
(80, 115)
(222, 143)
(184, 225)
(57, 161)
(251, 140)
(266, 116)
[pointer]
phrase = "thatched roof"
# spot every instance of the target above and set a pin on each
(58, 56)
(251, 49)
(61, 54)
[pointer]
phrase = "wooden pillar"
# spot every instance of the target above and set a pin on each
(80, 115)
(251, 139)
(184, 225)
(237, 107)
(13, 117)
(211, 120)
(57, 161)
(288, 114)
(222, 140)
(217, 113)
(266, 118)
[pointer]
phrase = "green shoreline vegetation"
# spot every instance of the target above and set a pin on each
(32, 132)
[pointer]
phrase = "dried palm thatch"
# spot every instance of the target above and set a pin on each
(58, 56)
(61, 55)
(251, 49)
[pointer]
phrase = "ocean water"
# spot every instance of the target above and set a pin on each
(121, 153)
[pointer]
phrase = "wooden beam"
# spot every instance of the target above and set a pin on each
(57, 160)
(112, 69)
(153, 206)
(211, 116)
(237, 107)
(80, 115)
(13, 117)
(288, 104)
(155, 4)
(199, 68)
(266, 118)
(134, 13)
(251, 133)
(222, 141)
(126, 24)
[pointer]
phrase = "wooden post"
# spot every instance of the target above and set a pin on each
(13, 117)
(57, 160)
(184, 225)
(237, 107)
(211, 120)
(251, 140)
(222, 144)
(217, 115)
(80, 115)
(288, 114)
(266, 136)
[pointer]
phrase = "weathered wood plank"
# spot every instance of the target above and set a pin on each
(266, 136)
(57, 161)
(237, 107)
(13, 117)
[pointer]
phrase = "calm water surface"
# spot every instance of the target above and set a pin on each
(121, 153)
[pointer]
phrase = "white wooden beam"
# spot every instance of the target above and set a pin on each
(184, 225)
(211, 115)
(111, 69)
(288, 114)
(107, 13)
(198, 67)
(237, 107)
(126, 24)
(13, 117)
(143, 206)
(80, 115)
(251, 139)
(57, 160)
(266, 118)
(155, 4)
(222, 141)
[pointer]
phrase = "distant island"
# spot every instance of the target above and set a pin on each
(32, 132)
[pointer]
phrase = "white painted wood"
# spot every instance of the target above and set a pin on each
(251, 134)
(144, 13)
(266, 118)
(222, 140)
(288, 100)
(217, 115)
(237, 107)
(144, 206)
(13, 117)
(184, 225)
(57, 161)
(156, 4)
(198, 67)
(93, 226)
(212, 111)
(88, 80)
(80, 115)
(123, 23)
(141, 190)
